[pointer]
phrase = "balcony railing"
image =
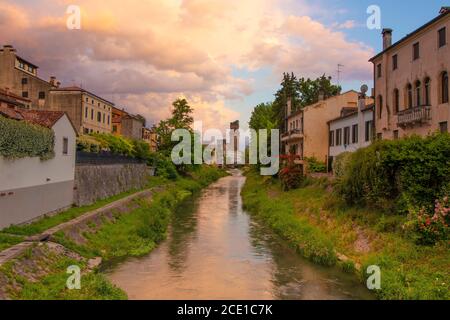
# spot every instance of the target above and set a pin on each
(413, 116)
(292, 133)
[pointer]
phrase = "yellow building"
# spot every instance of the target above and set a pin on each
(307, 133)
(411, 81)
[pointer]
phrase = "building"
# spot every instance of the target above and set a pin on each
(352, 130)
(411, 81)
(127, 125)
(88, 112)
(151, 137)
(13, 101)
(30, 187)
(307, 131)
(21, 78)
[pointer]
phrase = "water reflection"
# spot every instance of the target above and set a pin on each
(215, 250)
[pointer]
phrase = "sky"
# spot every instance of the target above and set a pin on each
(223, 56)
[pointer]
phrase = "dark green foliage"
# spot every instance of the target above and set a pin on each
(19, 139)
(398, 175)
(315, 166)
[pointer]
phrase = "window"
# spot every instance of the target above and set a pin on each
(92, 114)
(109, 119)
(99, 117)
(99, 104)
(418, 94)
(443, 127)
(346, 136)
(86, 112)
(41, 95)
(427, 91)
(339, 137)
(416, 51)
(395, 134)
(87, 100)
(379, 74)
(396, 101)
(379, 136)
(444, 82)
(442, 35)
(65, 146)
(369, 130)
(409, 91)
(104, 118)
(25, 94)
(114, 128)
(24, 80)
(395, 62)
(332, 138)
(355, 130)
(380, 106)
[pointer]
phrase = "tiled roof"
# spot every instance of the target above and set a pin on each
(43, 118)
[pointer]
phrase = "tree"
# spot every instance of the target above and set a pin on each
(310, 90)
(289, 90)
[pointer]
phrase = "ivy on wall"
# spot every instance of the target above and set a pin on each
(19, 139)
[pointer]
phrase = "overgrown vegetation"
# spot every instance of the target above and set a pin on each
(19, 139)
(314, 219)
(316, 166)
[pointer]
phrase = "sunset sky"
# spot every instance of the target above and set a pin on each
(224, 56)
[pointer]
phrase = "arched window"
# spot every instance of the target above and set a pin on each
(444, 89)
(409, 92)
(427, 92)
(396, 101)
(418, 93)
(380, 106)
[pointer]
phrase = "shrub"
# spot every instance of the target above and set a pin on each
(291, 175)
(115, 144)
(19, 139)
(340, 163)
(88, 144)
(315, 166)
(398, 175)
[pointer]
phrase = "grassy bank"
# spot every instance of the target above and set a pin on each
(135, 231)
(318, 226)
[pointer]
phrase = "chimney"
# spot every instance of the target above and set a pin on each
(58, 84)
(289, 107)
(444, 10)
(53, 81)
(8, 48)
(321, 95)
(387, 38)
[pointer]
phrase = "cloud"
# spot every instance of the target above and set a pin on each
(148, 53)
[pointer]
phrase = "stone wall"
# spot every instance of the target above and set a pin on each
(96, 182)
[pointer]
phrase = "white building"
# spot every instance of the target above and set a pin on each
(30, 187)
(354, 129)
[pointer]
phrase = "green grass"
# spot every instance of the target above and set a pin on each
(314, 218)
(7, 241)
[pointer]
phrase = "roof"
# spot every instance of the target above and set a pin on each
(42, 118)
(78, 89)
(445, 11)
(350, 112)
(27, 62)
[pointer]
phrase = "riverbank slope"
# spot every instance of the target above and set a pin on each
(134, 229)
(326, 232)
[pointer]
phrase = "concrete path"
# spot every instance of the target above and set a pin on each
(18, 249)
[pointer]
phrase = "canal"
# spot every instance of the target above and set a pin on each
(215, 250)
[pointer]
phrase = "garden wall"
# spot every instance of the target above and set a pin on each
(96, 182)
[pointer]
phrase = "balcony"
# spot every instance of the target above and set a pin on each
(295, 134)
(414, 116)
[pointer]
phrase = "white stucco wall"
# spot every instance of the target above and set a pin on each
(30, 172)
(349, 122)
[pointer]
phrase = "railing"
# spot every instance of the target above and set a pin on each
(104, 158)
(417, 115)
(291, 133)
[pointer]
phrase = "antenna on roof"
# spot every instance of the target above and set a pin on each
(339, 71)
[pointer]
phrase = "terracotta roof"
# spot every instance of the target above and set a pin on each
(43, 118)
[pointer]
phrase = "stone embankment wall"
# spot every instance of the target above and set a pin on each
(96, 182)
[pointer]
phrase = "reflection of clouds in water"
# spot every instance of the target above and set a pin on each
(215, 250)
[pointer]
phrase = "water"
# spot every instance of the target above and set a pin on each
(215, 250)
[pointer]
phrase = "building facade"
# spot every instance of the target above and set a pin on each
(308, 133)
(12, 101)
(151, 137)
(126, 124)
(352, 130)
(89, 113)
(30, 187)
(20, 77)
(411, 81)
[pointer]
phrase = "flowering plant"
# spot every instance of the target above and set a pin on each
(433, 227)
